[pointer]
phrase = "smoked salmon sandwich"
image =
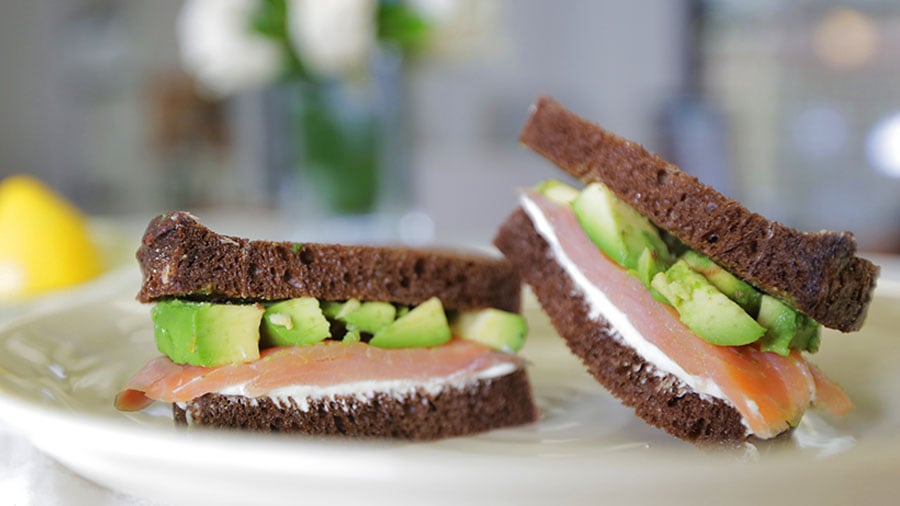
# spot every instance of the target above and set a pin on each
(691, 309)
(327, 339)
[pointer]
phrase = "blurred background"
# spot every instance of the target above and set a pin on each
(131, 108)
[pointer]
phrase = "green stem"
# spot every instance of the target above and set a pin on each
(340, 149)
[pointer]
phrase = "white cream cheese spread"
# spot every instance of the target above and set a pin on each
(365, 391)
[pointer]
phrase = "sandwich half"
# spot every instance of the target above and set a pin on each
(689, 308)
(326, 339)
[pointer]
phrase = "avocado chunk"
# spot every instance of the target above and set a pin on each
(424, 325)
(370, 317)
(206, 334)
(808, 334)
(704, 309)
(495, 328)
(294, 322)
(649, 266)
(367, 317)
(737, 290)
(557, 191)
(351, 336)
(616, 228)
(786, 328)
(339, 310)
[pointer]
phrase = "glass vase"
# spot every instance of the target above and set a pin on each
(344, 151)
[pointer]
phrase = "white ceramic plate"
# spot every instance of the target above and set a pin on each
(61, 367)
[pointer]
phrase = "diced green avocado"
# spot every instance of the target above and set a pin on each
(368, 317)
(338, 310)
(808, 334)
(352, 336)
(424, 325)
(647, 267)
(780, 322)
(786, 328)
(616, 228)
(557, 191)
(294, 322)
(737, 290)
(206, 334)
(704, 309)
(500, 330)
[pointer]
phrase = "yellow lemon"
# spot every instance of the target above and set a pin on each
(44, 241)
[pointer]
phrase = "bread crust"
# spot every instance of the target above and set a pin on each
(481, 406)
(661, 399)
(817, 272)
(179, 257)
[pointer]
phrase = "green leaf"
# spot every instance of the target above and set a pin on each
(401, 25)
(271, 21)
(270, 18)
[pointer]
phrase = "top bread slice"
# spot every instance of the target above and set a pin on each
(819, 273)
(180, 257)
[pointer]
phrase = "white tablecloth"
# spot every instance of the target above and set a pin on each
(30, 478)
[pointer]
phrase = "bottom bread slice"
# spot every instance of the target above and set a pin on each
(661, 399)
(478, 406)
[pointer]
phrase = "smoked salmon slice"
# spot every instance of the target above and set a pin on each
(770, 391)
(324, 364)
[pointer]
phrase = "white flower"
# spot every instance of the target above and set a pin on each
(220, 48)
(333, 37)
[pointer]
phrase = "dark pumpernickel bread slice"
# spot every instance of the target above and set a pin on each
(179, 257)
(484, 405)
(818, 272)
(663, 401)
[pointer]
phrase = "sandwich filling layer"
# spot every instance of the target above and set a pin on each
(602, 307)
(209, 335)
(770, 391)
(330, 369)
